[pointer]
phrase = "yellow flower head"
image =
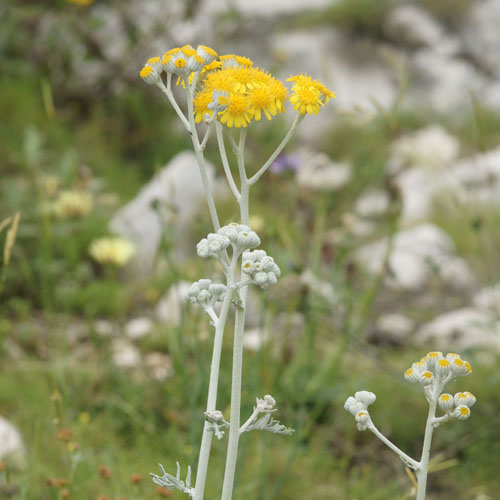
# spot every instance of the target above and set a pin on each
(237, 112)
(261, 99)
(72, 204)
(112, 251)
(306, 100)
(308, 95)
(201, 102)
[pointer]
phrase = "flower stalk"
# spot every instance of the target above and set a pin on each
(228, 92)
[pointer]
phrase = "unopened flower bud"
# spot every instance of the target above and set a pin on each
(446, 402)
(461, 412)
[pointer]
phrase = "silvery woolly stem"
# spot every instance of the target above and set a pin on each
(239, 327)
(424, 461)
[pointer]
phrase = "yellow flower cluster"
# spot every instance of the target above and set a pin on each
(112, 251)
(308, 95)
(238, 93)
(72, 204)
(233, 91)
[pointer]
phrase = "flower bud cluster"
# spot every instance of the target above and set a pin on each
(181, 61)
(212, 246)
(205, 293)
(266, 405)
(437, 368)
(457, 406)
(261, 268)
(358, 407)
(241, 237)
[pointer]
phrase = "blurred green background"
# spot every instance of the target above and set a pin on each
(102, 386)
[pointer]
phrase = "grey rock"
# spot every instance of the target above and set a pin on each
(138, 328)
(441, 82)
(171, 308)
(430, 147)
(359, 71)
(11, 443)
(320, 173)
(482, 36)
(261, 8)
(461, 329)
(159, 365)
(413, 26)
(105, 328)
(171, 199)
(418, 254)
(253, 339)
(394, 328)
(476, 178)
(372, 203)
(124, 354)
(488, 299)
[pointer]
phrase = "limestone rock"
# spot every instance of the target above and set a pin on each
(372, 203)
(482, 36)
(171, 198)
(172, 306)
(11, 442)
(138, 328)
(124, 354)
(432, 147)
(418, 254)
(461, 329)
(159, 364)
(322, 174)
(394, 328)
(413, 26)
(488, 299)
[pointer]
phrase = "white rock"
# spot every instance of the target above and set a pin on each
(481, 34)
(372, 203)
(253, 339)
(417, 187)
(471, 180)
(11, 442)
(138, 328)
(488, 298)
(159, 364)
(322, 174)
(105, 328)
(413, 26)
(442, 83)
(393, 327)
(177, 193)
(461, 329)
(265, 8)
(430, 147)
(109, 32)
(417, 254)
(172, 306)
(323, 288)
(358, 70)
(124, 354)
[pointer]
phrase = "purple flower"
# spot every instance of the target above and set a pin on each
(285, 162)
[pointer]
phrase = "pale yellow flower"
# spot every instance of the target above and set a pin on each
(72, 204)
(113, 251)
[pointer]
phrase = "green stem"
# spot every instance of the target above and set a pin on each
(298, 118)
